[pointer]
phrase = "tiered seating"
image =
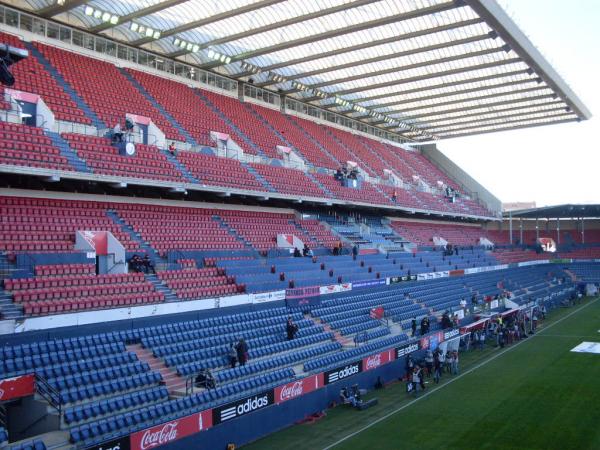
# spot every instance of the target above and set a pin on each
(507, 256)
(355, 145)
(296, 137)
(319, 232)
(289, 181)
(180, 101)
(23, 145)
(104, 89)
(422, 233)
(31, 76)
(426, 170)
(199, 283)
(392, 158)
(60, 270)
(170, 228)
(48, 225)
(582, 253)
(260, 229)
(404, 197)
(248, 123)
(366, 194)
(320, 135)
(57, 294)
(215, 171)
(104, 158)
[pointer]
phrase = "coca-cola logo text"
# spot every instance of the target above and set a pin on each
(291, 391)
(373, 361)
(153, 439)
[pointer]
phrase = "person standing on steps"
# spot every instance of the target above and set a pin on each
(242, 352)
(413, 326)
(232, 355)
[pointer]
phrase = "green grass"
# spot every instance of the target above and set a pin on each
(534, 395)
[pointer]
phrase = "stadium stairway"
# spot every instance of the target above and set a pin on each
(344, 341)
(232, 232)
(174, 382)
(182, 131)
(228, 121)
(67, 152)
(161, 287)
(260, 179)
(186, 173)
(8, 308)
(310, 138)
(349, 150)
(66, 86)
(304, 233)
(150, 251)
(321, 186)
(277, 133)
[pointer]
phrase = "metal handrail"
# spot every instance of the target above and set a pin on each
(49, 393)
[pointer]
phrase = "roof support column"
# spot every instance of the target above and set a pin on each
(582, 231)
(521, 230)
(537, 229)
(558, 231)
(510, 227)
(282, 107)
(241, 91)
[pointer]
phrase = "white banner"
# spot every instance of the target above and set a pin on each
(485, 269)
(265, 297)
(533, 263)
(433, 275)
(333, 288)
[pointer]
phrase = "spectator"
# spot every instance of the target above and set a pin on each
(463, 303)
(310, 253)
(205, 379)
(117, 133)
(291, 329)
(455, 362)
(429, 363)
(416, 379)
(394, 196)
(172, 149)
(147, 263)
(128, 125)
(422, 326)
(355, 251)
(297, 253)
(305, 250)
(135, 263)
(340, 247)
(232, 355)
(437, 365)
(242, 352)
(413, 326)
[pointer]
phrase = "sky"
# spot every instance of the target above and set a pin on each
(553, 164)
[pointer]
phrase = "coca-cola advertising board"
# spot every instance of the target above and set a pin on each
(298, 388)
(377, 360)
(171, 431)
(16, 387)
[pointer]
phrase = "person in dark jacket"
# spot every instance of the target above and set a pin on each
(291, 329)
(242, 352)
(413, 326)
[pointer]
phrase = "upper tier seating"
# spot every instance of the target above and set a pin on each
(251, 125)
(47, 225)
(187, 108)
(297, 138)
(23, 145)
(289, 181)
(392, 157)
(366, 194)
(31, 76)
(319, 232)
(104, 89)
(352, 142)
(104, 158)
(214, 171)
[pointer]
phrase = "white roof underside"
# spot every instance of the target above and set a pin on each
(431, 69)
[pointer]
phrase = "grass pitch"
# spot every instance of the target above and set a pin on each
(533, 395)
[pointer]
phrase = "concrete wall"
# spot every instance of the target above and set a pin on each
(461, 177)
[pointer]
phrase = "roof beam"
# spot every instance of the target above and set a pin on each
(386, 57)
(428, 76)
(361, 46)
(497, 117)
(469, 99)
(487, 105)
(401, 68)
(56, 9)
(516, 121)
(497, 18)
(205, 21)
(139, 13)
(483, 113)
(453, 92)
(337, 32)
(282, 24)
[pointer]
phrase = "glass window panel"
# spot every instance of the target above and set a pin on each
(39, 26)
(26, 22)
(11, 17)
(65, 34)
(53, 30)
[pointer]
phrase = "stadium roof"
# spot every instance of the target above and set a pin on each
(425, 69)
(558, 211)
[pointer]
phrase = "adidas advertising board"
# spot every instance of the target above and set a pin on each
(343, 372)
(451, 333)
(115, 444)
(406, 349)
(242, 407)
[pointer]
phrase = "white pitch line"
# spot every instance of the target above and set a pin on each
(472, 369)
